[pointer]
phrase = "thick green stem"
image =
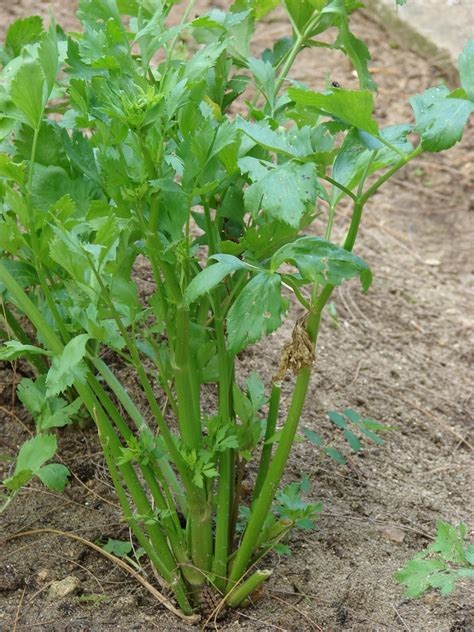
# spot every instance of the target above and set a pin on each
(190, 429)
(224, 490)
(239, 594)
(263, 503)
(188, 408)
(238, 476)
(200, 521)
(269, 432)
(170, 281)
(225, 484)
(203, 311)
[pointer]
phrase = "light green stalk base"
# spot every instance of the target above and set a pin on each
(237, 596)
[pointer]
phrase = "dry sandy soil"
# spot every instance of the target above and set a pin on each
(401, 354)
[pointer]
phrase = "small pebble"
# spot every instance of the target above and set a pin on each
(42, 576)
(64, 587)
(393, 534)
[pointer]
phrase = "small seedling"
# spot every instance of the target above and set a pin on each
(93, 599)
(125, 550)
(444, 563)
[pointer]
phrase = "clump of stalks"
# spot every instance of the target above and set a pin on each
(120, 141)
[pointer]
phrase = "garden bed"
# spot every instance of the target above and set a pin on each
(402, 354)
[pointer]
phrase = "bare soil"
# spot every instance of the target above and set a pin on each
(401, 354)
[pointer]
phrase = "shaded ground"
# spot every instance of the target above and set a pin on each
(401, 354)
(449, 23)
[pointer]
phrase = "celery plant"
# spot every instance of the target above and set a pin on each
(119, 142)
